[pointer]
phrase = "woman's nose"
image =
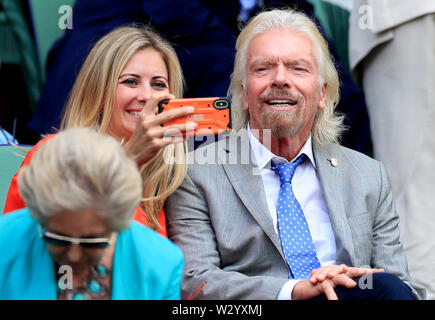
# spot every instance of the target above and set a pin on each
(144, 93)
(75, 253)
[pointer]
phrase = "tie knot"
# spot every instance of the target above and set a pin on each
(285, 171)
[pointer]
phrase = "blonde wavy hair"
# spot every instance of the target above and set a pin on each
(91, 104)
(80, 169)
(328, 125)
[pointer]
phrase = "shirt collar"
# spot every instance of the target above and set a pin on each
(263, 156)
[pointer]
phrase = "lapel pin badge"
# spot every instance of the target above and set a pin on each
(334, 162)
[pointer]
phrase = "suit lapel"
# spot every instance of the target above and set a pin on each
(330, 170)
(249, 187)
(247, 183)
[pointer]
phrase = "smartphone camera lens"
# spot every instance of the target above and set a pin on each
(221, 104)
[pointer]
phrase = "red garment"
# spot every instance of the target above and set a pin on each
(139, 216)
(14, 201)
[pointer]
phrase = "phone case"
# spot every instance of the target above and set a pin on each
(213, 115)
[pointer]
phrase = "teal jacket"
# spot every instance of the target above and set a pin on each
(146, 266)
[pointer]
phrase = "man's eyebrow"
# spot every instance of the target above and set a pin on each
(303, 61)
(275, 61)
(262, 62)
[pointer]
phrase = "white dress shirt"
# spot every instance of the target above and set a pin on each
(308, 191)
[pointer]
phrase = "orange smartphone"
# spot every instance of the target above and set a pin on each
(213, 115)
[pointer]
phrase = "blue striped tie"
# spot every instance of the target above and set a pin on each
(296, 241)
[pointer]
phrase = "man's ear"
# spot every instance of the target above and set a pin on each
(244, 98)
(322, 101)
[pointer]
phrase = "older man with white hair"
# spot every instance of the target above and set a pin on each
(304, 217)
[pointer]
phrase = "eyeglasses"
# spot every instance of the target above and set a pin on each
(63, 241)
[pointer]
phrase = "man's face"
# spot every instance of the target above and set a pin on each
(283, 91)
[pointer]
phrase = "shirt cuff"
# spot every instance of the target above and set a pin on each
(286, 291)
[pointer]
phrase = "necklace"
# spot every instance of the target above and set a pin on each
(93, 287)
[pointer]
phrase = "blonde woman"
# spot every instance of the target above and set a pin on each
(116, 92)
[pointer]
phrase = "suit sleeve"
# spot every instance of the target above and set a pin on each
(387, 249)
(205, 277)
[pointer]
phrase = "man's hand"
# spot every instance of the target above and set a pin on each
(325, 279)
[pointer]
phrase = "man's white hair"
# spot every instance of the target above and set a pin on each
(327, 126)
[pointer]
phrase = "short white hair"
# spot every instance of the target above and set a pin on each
(81, 169)
(327, 126)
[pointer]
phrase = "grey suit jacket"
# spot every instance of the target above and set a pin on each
(220, 220)
(372, 22)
